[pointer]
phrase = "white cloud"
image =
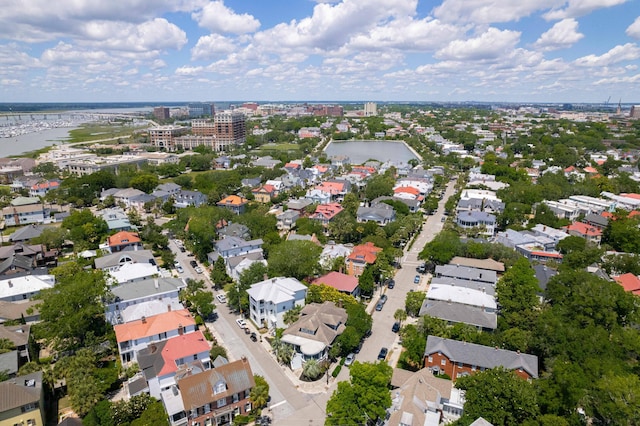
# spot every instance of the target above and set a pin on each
(490, 11)
(633, 30)
(489, 45)
(156, 34)
(157, 64)
(189, 70)
(577, 8)
(635, 79)
(408, 34)
(627, 52)
(40, 20)
(211, 46)
(10, 82)
(216, 17)
(561, 36)
(331, 26)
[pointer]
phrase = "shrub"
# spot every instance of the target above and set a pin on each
(336, 370)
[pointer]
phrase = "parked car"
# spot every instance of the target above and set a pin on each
(379, 306)
(396, 327)
(444, 219)
(198, 269)
(383, 354)
(421, 269)
(253, 336)
(182, 249)
(349, 359)
(221, 298)
(416, 279)
(383, 299)
(241, 323)
(193, 263)
(391, 284)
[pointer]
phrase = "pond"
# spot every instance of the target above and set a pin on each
(360, 152)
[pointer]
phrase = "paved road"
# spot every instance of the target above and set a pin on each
(289, 405)
(381, 334)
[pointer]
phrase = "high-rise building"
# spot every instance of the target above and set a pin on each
(161, 113)
(164, 136)
(370, 109)
(635, 111)
(201, 109)
(230, 128)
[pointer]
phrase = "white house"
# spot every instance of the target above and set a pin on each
(23, 288)
(270, 299)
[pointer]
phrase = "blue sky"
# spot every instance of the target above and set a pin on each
(351, 50)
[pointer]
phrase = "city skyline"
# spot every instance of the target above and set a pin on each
(352, 50)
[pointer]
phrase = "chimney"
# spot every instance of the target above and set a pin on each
(169, 308)
(144, 319)
(265, 277)
(180, 329)
(10, 284)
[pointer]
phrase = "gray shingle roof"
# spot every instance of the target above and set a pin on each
(457, 313)
(140, 289)
(466, 273)
(482, 356)
(20, 391)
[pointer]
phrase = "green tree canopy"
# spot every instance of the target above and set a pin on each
(297, 258)
(499, 396)
(72, 310)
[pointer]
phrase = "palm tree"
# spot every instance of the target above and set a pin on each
(259, 394)
(285, 353)
(292, 315)
(312, 369)
(400, 315)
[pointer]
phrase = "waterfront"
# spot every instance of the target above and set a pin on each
(360, 152)
(28, 142)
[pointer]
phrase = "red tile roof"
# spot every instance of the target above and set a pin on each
(339, 281)
(407, 189)
(590, 169)
(631, 195)
(123, 238)
(232, 200)
(584, 229)
(153, 325)
(331, 187)
(546, 254)
(610, 215)
(180, 347)
(628, 281)
(327, 211)
(45, 185)
(367, 252)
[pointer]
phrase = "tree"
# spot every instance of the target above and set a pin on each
(255, 273)
(400, 315)
(259, 395)
(292, 315)
(219, 274)
(83, 388)
(6, 345)
(616, 400)
(365, 398)
(297, 258)
(442, 248)
(413, 302)
(72, 310)
(312, 369)
(499, 396)
(85, 230)
(366, 281)
(203, 303)
(217, 351)
(52, 237)
(517, 295)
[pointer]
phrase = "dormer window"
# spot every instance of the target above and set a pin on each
(219, 387)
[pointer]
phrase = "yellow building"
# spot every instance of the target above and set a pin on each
(22, 401)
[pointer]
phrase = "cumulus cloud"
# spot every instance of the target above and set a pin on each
(217, 17)
(331, 26)
(489, 11)
(39, 20)
(489, 45)
(634, 29)
(407, 33)
(561, 36)
(211, 46)
(626, 52)
(156, 34)
(577, 8)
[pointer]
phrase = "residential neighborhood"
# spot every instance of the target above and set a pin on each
(202, 274)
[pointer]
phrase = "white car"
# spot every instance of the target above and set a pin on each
(221, 298)
(349, 359)
(241, 323)
(179, 269)
(198, 269)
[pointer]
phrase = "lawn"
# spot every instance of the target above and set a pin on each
(92, 131)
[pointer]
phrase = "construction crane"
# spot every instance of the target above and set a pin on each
(606, 103)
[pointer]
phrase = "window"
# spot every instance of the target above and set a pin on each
(222, 402)
(473, 368)
(235, 397)
(460, 365)
(443, 362)
(430, 358)
(247, 407)
(220, 387)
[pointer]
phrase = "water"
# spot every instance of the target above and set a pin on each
(360, 152)
(27, 142)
